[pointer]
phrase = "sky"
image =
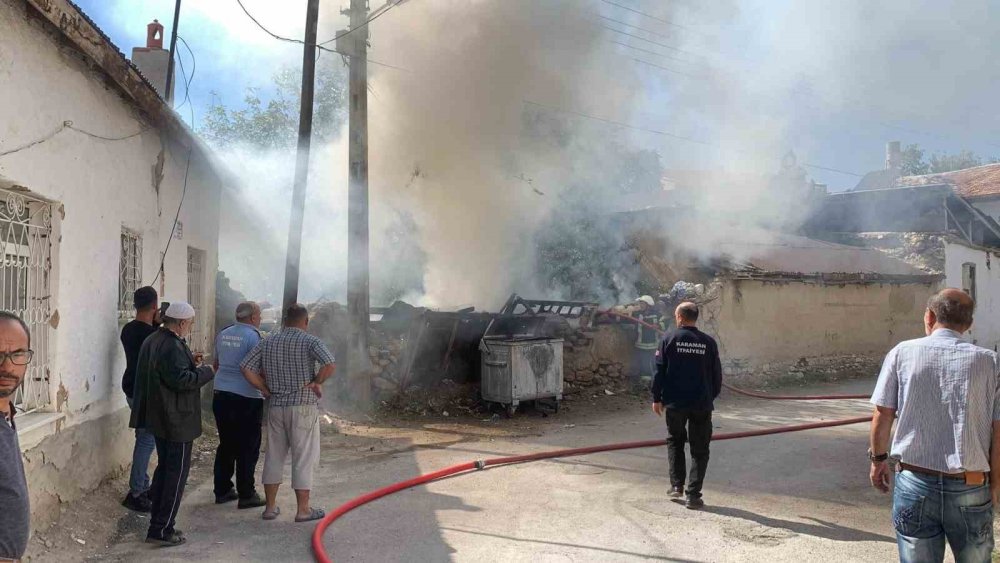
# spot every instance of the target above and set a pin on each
(832, 81)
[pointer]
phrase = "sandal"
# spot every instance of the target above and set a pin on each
(170, 540)
(314, 514)
(271, 515)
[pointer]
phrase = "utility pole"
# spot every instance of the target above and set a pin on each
(301, 159)
(168, 90)
(358, 367)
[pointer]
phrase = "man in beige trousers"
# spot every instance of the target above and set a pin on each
(283, 367)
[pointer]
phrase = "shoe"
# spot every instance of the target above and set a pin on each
(676, 492)
(256, 501)
(694, 503)
(228, 497)
(168, 540)
(137, 504)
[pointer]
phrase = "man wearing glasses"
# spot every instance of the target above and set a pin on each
(15, 354)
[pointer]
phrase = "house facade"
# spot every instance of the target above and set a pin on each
(102, 190)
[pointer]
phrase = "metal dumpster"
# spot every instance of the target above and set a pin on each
(524, 368)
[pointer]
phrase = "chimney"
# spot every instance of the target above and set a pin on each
(152, 60)
(893, 157)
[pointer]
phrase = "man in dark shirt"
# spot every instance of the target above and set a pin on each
(15, 513)
(688, 379)
(133, 335)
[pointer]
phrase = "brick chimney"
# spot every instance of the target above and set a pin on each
(152, 60)
(893, 157)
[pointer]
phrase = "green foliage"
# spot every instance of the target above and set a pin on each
(274, 123)
(915, 163)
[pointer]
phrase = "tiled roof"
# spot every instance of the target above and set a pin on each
(981, 181)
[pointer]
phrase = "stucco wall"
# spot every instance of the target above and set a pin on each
(100, 186)
(986, 326)
(765, 327)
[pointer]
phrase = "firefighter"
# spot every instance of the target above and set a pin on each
(647, 338)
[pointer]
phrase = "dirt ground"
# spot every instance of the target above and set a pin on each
(791, 497)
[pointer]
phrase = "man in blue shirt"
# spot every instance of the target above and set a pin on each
(239, 411)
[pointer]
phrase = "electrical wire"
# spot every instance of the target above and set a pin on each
(664, 133)
(652, 17)
(320, 46)
(163, 256)
(187, 81)
(68, 124)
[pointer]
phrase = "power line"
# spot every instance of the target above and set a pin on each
(187, 80)
(652, 17)
(640, 49)
(665, 133)
(375, 15)
(69, 125)
(668, 69)
(641, 38)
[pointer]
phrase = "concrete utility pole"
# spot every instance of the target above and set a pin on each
(358, 368)
(168, 90)
(301, 159)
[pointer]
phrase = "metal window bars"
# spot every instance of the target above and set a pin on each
(26, 245)
(129, 273)
(195, 277)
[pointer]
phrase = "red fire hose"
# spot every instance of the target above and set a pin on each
(743, 391)
(317, 537)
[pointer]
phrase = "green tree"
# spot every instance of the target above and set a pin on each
(274, 123)
(915, 163)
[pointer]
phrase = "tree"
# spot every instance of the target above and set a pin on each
(914, 163)
(274, 124)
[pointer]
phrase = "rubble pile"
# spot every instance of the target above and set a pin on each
(447, 399)
(387, 354)
(921, 250)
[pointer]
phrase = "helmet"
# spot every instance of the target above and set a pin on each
(647, 300)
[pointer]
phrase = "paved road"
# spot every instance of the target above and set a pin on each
(792, 497)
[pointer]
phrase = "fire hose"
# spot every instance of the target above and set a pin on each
(317, 537)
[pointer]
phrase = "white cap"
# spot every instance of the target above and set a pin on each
(647, 300)
(180, 310)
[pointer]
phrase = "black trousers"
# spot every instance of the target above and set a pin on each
(238, 419)
(695, 427)
(172, 467)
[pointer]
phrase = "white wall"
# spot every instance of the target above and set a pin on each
(101, 186)
(986, 326)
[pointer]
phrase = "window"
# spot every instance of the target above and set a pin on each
(129, 273)
(26, 250)
(969, 279)
(196, 292)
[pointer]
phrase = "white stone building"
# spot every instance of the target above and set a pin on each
(94, 168)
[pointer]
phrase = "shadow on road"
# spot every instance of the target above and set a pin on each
(822, 528)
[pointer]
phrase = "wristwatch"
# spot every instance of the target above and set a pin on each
(877, 458)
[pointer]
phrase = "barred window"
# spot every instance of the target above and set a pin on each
(129, 273)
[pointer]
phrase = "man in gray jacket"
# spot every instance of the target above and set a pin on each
(167, 401)
(15, 515)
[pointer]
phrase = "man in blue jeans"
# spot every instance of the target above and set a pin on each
(133, 335)
(943, 392)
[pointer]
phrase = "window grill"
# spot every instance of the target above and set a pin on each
(129, 273)
(26, 248)
(195, 282)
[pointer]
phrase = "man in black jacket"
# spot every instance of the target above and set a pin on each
(168, 404)
(688, 379)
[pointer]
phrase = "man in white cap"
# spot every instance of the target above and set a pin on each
(167, 403)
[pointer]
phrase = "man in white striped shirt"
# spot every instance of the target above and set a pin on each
(943, 392)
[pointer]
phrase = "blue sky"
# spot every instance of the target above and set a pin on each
(832, 80)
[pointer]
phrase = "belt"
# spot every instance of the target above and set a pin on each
(971, 477)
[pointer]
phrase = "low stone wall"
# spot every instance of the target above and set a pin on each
(599, 356)
(806, 369)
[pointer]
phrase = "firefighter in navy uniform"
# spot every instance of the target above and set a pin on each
(688, 379)
(647, 338)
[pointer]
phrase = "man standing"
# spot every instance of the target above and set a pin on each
(15, 513)
(134, 333)
(239, 411)
(168, 405)
(688, 379)
(647, 338)
(283, 368)
(943, 391)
